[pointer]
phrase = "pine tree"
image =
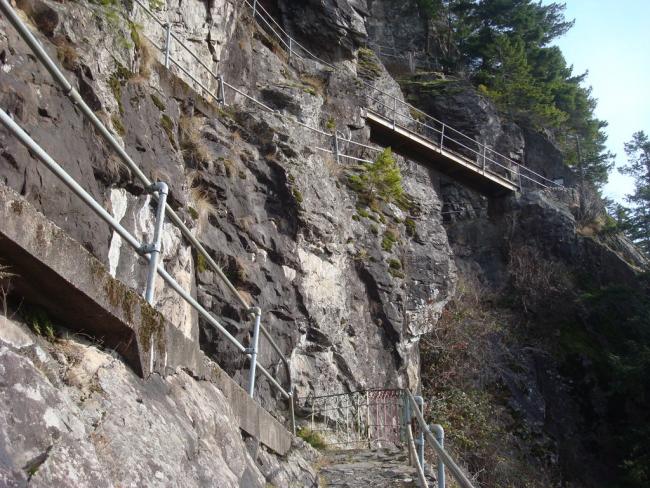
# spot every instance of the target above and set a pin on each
(381, 180)
(638, 153)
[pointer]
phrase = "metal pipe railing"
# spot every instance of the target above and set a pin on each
(419, 466)
(260, 13)
(78, 101)
(458, 473)
(439, 434)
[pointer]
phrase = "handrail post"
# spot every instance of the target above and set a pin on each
(442, 136)
(292, 411)
(168, 42)
(222, 91)
(420, 441)
(254, 8)
(439, 432)
(253, 350)
(394, 111)
(336, 146)
(484, 156)
(154, 248)
(290, 48)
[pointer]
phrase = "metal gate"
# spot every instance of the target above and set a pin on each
(369, 418)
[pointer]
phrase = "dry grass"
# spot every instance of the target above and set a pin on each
(335, 169)
(147, 57)
(116, 168)
(591, 213)
(192, 144)
(67, 55)
(5, 277)
(201, 207)
(316, 83)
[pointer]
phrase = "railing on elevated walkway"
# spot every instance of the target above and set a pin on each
(150, 252)
(407, 116)
(376, 418)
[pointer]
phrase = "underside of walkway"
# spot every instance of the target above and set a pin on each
(454, 164)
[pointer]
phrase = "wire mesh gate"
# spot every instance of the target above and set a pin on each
(369, 418)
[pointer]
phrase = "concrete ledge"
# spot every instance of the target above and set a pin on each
(57, 273)
(252, 418)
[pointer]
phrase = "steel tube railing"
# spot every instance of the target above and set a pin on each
(60, 173)
(439, 434)
(415, 458)
(78, 190)
(69, 90)
(156, 245)
(458, 473)
(481, 147)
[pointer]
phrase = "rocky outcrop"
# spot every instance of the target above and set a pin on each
(75, 415)
(274, 211)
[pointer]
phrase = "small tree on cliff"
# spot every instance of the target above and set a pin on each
(638, 153)
(380, 180)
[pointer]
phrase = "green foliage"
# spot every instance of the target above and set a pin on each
(168, 126)
(116, 81)
(117, 125)
(389, 240)
(363, 212)
(156, 5)
(411, 229)
(298, 196)
(616, 340)
(369, 65)
(381, 180)
(39, 321)
(314, 439)
(504, 46)
(158, 102)
(636, 219)
(331, 124)
(201, 262)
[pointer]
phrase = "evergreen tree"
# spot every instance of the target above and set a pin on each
(638, 153)
(504, 47)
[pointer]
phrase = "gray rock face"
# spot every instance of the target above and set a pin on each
(398, 25)
(271, 208)
(74, 415)
(333, 29)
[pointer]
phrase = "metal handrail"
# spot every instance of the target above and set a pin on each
(260, 13)
(414, 457)
(78, 101)
(410, 407)
(458, 473)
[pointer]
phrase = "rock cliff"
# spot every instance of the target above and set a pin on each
(271, 208)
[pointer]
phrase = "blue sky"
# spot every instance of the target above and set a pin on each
(611, 39)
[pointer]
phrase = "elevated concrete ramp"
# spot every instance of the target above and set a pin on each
(54, 271)
(458, 167)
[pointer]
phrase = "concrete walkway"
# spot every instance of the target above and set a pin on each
(378, 468)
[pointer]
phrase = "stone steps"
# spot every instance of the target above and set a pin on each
(376, 468)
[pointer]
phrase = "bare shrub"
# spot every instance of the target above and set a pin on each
(535, 279)
(462, 362)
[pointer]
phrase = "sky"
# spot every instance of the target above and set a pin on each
(611, 40)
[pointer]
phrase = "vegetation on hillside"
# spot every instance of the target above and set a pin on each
(505, 48)
(635, 220)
